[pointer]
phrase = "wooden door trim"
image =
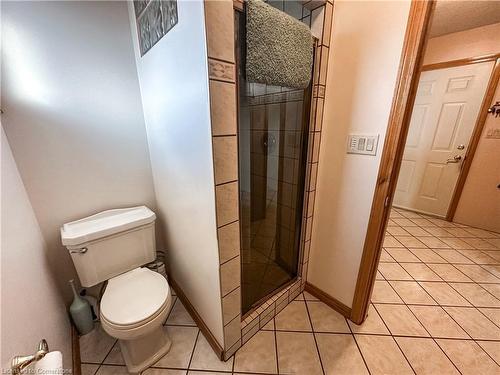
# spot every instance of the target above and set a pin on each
(474, 139)
(392, 153)
(461, 62)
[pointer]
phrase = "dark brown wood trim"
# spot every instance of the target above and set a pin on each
(460, 62)
(197, 318)
(76, 360)
(329, 300)
(399, 121)
(238, 5)
(474, 140)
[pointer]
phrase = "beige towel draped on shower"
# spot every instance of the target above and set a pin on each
(279, 47)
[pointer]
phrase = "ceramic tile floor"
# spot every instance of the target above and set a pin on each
(436, 310)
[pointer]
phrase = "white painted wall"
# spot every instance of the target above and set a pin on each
(173, 77)
(31, 307)
(73, 114)
(367, 39)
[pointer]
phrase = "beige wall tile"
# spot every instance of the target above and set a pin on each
(219, 21)
(225, 158)
(230, 275)
(327, 26)
(318, 121)
(221, 70)
(231, 306)
(227, 203)
(232, 332)
(324, 65)
(229, 241)
(223, 108)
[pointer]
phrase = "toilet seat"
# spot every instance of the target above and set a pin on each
(134, 298)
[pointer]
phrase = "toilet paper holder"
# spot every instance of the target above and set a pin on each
(20, 362)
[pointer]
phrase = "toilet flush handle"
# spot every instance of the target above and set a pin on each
(83, 250)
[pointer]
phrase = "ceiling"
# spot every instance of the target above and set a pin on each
(451, 16)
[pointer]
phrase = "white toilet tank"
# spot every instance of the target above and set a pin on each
(111, 242)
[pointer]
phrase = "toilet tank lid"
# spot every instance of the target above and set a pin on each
(104, 224)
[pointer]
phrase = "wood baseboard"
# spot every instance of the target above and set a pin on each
(197, 318)
(329, 300)
(76, 360)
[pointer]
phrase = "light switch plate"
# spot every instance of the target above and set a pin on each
(362, 144)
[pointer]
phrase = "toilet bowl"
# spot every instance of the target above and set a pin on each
(133, 308)
(112, 246)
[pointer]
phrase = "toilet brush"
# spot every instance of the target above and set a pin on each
(80, 312)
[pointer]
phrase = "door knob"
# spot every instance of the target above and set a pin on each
(460, 147)
(456, 159)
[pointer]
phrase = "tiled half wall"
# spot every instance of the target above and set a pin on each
(219, 21)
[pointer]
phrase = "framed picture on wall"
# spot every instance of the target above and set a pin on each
(154, 18)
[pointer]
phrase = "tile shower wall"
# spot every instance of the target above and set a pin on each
(219, 21)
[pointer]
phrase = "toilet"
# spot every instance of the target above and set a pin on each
(114, 246)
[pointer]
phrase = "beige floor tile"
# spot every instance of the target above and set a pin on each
(468, 357)
(438, 232)
(379, 276)
(448, 272)
(444, 294)
(325, 319)
(373, 324)
(397, 231)
(179, 315)
(423, 222)
(410, 241)
(476, 295)
(420, 272)
(112, 370)
(385, 257)
(163, 371)
(438, 323)
(410, 214)
(382, 355)
(479, 257)
(495, 242)
(183, 340)
(196, 372)
(417, 231)
(492, 314)
(453, 256)
(400, 320)
(494, 269)
(309, 297)
(427, 256)
(383, 293)
(481, 233)
(459, 232)
(477, 273)
(474, 323)
(297, 353)
(456, 243)
(258, 354)
(495, 254)
(403, 222)
(269, 326)
(425, 356)
(393, 271)
(204, 357)
(480, 244)
(89, 369)
(492, 348)
(340, 355)
(402, 255)
(115, 357)
(412, 293)
(293, 317)
(95, 345)
(493, 289)
(390, 241)
(433, 242)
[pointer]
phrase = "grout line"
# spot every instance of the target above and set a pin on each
(194, 348)
(314, 335)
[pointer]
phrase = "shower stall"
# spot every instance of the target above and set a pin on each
(273, 127)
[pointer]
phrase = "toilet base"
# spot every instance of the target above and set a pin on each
(141, 353)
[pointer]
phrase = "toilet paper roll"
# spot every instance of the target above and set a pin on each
(50, 364)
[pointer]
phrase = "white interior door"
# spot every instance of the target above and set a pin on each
(445, 112)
